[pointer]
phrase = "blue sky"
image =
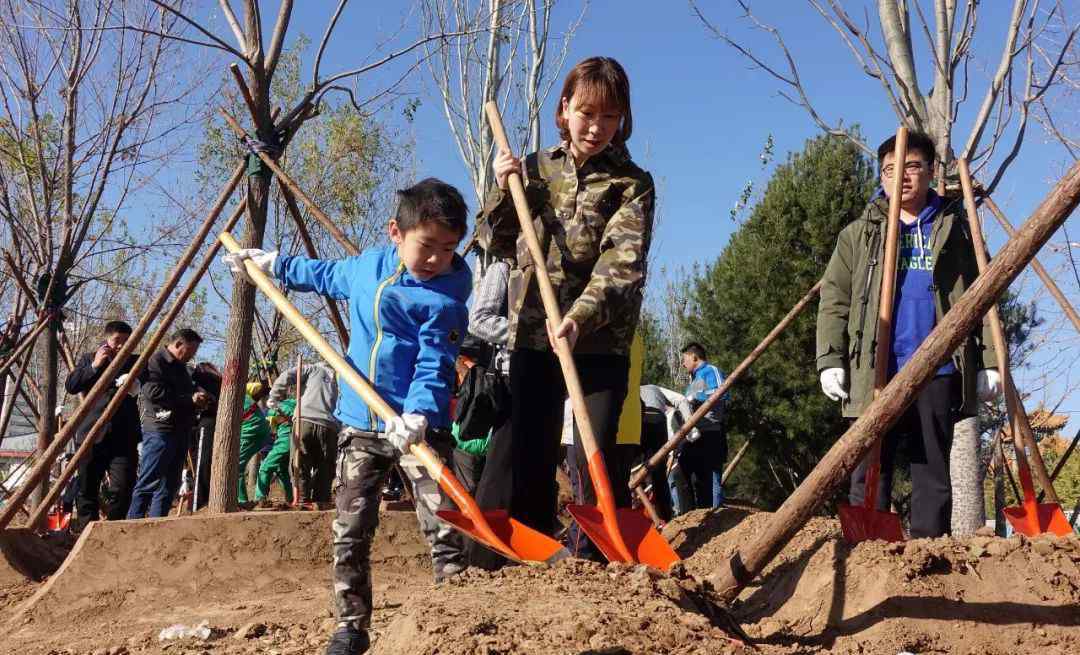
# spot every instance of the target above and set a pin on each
(702, 114)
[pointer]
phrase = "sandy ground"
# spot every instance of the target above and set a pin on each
(261, 582)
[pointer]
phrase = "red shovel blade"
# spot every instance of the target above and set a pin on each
(638, 533)
(861, 524)
(529, 545)
(1047, 518)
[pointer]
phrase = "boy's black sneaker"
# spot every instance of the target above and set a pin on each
(348, 641)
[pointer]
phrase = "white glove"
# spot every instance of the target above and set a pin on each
(988, 384)
(832, 383)
(405, 430)
(262, 259)
(135, 386)
(163, 414)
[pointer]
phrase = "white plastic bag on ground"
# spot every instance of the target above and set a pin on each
(181, 631)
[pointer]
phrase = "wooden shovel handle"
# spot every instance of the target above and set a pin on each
(883, 333)
(888, 270)
(1018, 421)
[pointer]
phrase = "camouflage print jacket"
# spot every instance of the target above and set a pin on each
(595, 225)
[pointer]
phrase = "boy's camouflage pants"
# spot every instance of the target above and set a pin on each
(364, 461)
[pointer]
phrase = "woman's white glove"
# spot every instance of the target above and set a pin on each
(988, 384)
(135, 386)
(832, 383)
(262, 259)
(405, 430)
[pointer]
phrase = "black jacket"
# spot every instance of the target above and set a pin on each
(125, 423)
(168, 387)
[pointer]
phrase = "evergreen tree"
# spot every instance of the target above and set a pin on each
(774, 258)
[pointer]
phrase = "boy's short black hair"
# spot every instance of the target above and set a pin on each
(432, 200)
(915, 141)
(187, 335)
(696, 349)
(117, 327)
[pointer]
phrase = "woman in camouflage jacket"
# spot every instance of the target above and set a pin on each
(593, 211)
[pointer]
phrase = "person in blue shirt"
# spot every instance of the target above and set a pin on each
(702, 460)
(408, 316)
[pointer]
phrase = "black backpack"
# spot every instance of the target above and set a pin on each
(483, 401)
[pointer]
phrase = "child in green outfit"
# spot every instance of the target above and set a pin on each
(277, 462)
(254, 432)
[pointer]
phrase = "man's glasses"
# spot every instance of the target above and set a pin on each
(911, 168)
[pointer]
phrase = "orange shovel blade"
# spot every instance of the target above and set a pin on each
(861, 524)
(528, 545)
(1047, 518)
(638, 533)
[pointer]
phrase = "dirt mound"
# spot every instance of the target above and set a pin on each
(572, 607)
(976, 595)
(25, 560)
(24, 556)
(127, 580)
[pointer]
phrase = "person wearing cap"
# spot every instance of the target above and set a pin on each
(254, 432)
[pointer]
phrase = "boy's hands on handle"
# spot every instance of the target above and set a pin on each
(832, 383)
(405, 430)
(261, 258)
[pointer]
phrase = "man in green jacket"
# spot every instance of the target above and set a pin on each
(935, 265)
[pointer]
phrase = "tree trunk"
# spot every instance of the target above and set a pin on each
(50, 352)
(224, 470)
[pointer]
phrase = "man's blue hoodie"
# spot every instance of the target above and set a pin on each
(404, 333)
(914, 313)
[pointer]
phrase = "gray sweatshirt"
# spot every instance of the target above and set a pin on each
(318, 385)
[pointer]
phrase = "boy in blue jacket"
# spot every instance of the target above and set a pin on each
(408, 316)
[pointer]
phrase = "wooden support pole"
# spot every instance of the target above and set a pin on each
(660, 456)
(288, 183)
(309, 246)
(1047, 280)
(735, 461)
(24, 344)
(105, 381)
(964, 317)
(137, 368)
(1018, 418)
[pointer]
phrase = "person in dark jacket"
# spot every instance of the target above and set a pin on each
(170, 404)
(116, 450)
(207, 378)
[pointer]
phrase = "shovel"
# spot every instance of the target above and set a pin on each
(496, 530)
(1031, 518)
(622, 535)
(868, 522)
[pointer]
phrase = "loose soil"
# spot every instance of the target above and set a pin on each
(261, 580)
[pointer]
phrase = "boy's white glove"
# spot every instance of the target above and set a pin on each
(988, 384)
(405, 430)
(135, 386)
(832, 383)
(262, 259)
